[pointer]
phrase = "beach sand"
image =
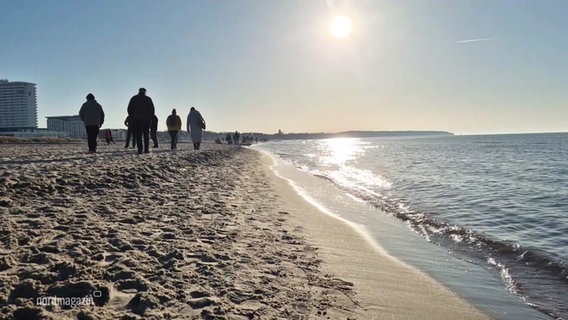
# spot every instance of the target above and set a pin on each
(186, 235)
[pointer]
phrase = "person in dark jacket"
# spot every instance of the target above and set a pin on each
(93, 116)
(140, 112)
(154, 131)
(236, 137)
(108, 136)
(129, 133)
(173, 122)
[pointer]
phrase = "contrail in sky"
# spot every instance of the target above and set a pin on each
(475, 40)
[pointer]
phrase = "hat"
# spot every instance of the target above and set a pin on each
(141, 90)
(90, 96)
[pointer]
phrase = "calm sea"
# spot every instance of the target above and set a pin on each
(498, 203)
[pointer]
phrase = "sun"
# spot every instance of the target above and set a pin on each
(340, 27)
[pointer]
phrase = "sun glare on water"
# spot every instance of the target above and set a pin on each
(340, 27)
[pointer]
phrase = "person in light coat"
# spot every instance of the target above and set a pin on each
(195, 126)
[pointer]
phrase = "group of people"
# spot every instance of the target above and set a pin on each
(142, 123)
(234, 139)
(237, 139)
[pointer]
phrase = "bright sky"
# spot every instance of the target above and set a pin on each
(264, 65)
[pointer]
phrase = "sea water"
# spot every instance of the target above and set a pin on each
(485, 215)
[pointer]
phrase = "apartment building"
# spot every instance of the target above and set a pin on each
(18, 106)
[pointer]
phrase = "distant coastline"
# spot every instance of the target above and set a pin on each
(343, 134)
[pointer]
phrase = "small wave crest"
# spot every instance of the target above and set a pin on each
(505, 275)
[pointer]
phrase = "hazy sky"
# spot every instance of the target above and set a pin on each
(264, 65)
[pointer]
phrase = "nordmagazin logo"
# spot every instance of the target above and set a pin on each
(67, 302)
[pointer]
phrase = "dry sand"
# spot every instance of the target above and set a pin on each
(186, 235)
(168, 235)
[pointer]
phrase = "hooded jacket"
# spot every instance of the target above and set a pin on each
(92, 113)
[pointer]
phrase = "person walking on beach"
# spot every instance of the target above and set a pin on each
(93, 117)
(236, 137)
(195, 126)
(129, 133)
(154, 131)
(108, 136)
(173, 122)
(140, 113)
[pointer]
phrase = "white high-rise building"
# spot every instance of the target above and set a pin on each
(18, 106)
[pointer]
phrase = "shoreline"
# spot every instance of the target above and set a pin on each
(383, 285)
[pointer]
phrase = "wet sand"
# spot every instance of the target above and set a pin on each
(186, 235)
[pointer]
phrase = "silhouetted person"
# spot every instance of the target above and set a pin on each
(195, 126)
(154, 131)
(93, 116)
(140, 112)
(229, 139)
(236, 137)
(173, 122)
(108, 136)
(129, 133)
